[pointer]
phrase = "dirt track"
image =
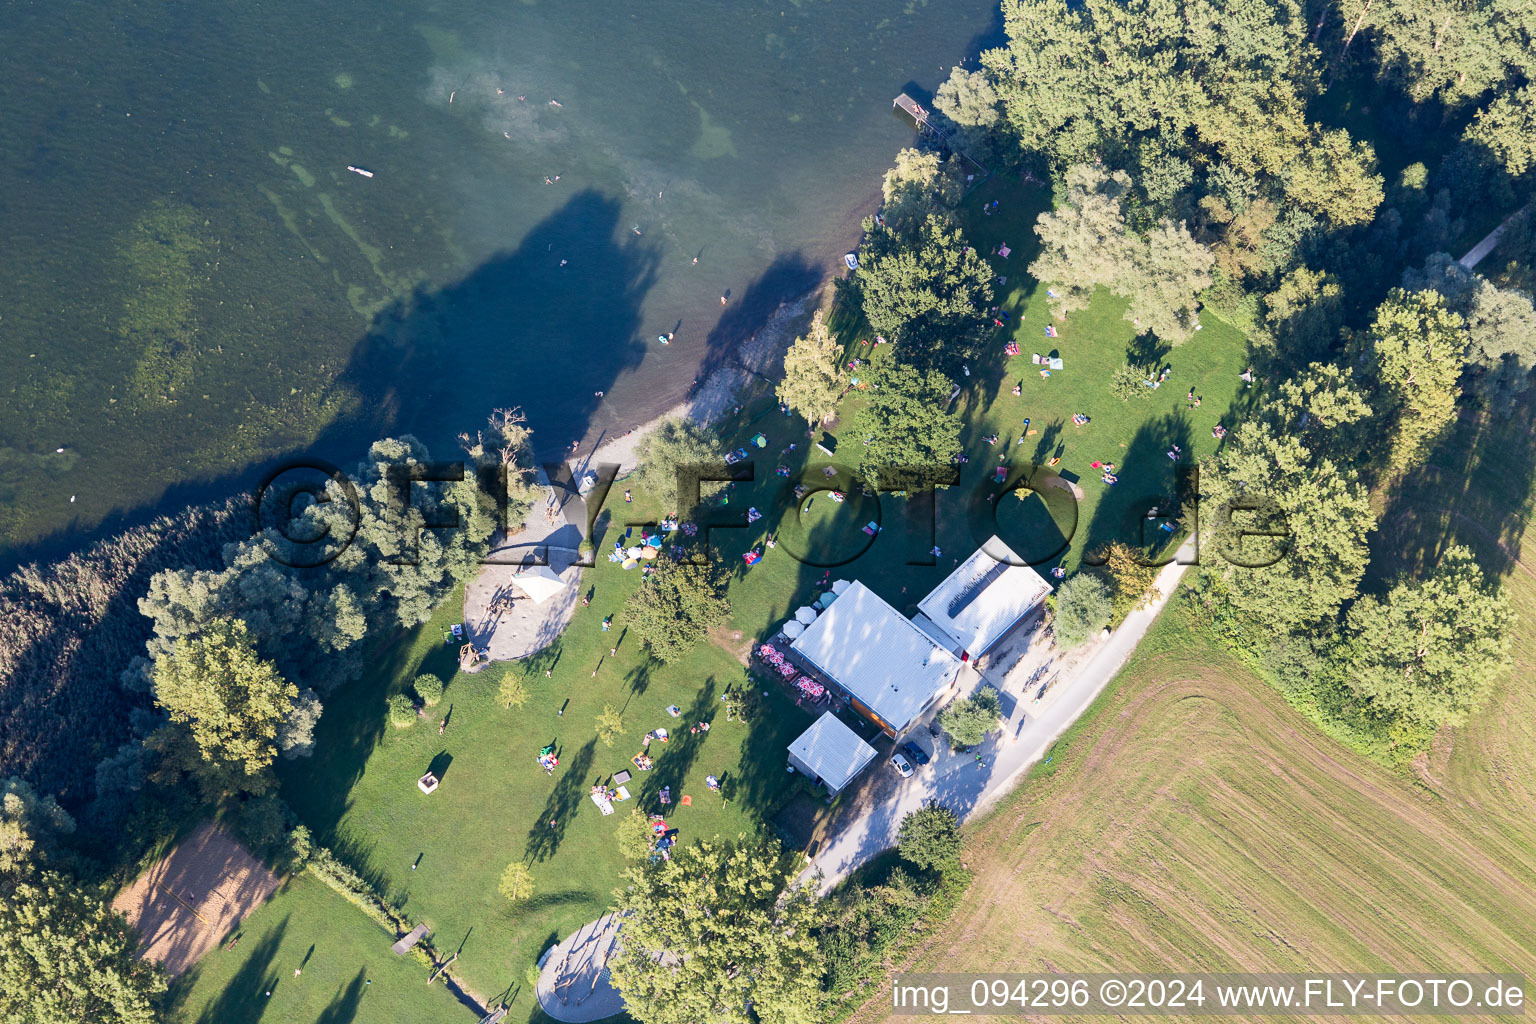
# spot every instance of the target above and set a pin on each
(195, 896)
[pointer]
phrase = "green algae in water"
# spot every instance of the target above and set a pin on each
(159, 317)
(714, 139)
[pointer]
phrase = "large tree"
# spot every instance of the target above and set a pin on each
(1326, 408)
(718, 934)
(1416, 345)
(1288, 525)
(929, 837)
(676, 606)
(918, 183)
(814, 378)
(29, 826)
(230, 702)
(1214, 82)
(905, 425)
(1507, 129)
(1500, 323)
(968, 721)
(1430, 649)
(1082, 607)
(673, 455)
(1086, 243)
(67, 957)
(926, 291)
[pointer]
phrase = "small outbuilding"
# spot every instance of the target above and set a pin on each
(830, 752)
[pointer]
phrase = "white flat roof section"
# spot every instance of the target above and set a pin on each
(831, 752)
(984, 597)
(878, 655)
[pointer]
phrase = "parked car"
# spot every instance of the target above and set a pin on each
(918, 755)
(902, 765)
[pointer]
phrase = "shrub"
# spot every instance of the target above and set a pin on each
(930, 838)
(516, 882)
(633, 836)
(512, 692)
(429, 688)
(1083, 607)
(968, 721)
(1127, 383)
(402, 713)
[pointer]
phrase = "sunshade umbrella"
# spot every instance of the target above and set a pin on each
(840, 586)
(793, 628)
(827, 599)
(806, 614)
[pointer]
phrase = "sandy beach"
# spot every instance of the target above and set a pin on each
(716, 394)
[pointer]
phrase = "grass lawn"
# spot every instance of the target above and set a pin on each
(351, 977)
(495, 805)
(1133, 435)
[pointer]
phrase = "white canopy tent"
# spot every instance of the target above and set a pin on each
(539, 582)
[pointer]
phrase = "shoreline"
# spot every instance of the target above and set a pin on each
(717, 393)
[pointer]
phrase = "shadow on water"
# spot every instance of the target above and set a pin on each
(437, 363)
(787, 277)
(503, 336)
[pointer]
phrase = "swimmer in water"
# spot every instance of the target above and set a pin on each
(637, 229)
(548, 180)
(695, 261)
(722, 300)
(562, 263)
(556, 103)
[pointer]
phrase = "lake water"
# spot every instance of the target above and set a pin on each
(194, 283)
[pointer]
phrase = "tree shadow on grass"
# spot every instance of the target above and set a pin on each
(343, 1009)
(544, 838)
(1474, 490)
(762, 776)
(680, 753)
(244, 1000)
(1148, 479)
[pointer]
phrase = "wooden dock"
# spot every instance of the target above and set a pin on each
(914, 110)
(921, 115)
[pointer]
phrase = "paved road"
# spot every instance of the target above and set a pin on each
(957, 781)
(1487, 245)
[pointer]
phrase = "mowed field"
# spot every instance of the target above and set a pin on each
(1192, 821)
